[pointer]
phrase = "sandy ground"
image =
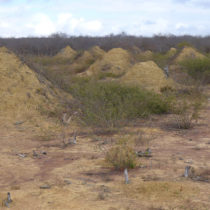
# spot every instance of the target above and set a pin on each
(79, 179)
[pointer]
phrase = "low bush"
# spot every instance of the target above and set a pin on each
(183, 44)
(49, 60)
(167, 90)
(161, 59)
(109, 104)
(104, 75)
(187, 113)
(198, 68)
(184, 121)
(121, 156)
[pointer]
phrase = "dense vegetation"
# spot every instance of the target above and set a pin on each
(105, 104)
(109, 104)
(199, 69)
(51, 45)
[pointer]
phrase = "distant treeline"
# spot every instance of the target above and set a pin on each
(52, 44)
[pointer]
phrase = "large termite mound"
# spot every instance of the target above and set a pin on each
(114, 63)
(148, 75)
(24, 95)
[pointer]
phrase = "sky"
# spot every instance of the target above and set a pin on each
(23, 18)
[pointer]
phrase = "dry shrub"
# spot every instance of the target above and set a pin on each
(103, 131)
(167, 90)
(121, 156)
(46, 135)
(143, 139)
(188, 114)
(189, 101)
(184, 121)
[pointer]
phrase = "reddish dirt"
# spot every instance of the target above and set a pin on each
(79, 179)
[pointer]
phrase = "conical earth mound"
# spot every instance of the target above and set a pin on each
(136, 50)
(23, 97)
(148, 75)
(147, 55)
(115, 62)
(83, 62)
(67, 53)
(172, 52)
(188, 52)
(97, 52)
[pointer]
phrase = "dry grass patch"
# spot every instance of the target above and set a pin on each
(161, 191)
(188, 109)
(143, 138)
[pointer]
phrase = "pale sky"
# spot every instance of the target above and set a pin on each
(21, 18)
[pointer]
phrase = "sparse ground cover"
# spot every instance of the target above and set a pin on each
(80, 179)
(43, 169)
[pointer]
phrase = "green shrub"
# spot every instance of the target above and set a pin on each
(198, 68)
(50, 60)
(121, 156)
(167, 89)
(161, 59)
(184, 44)
(103, 75)
(109, 104)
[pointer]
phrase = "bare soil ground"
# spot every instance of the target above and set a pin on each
(79, 179)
